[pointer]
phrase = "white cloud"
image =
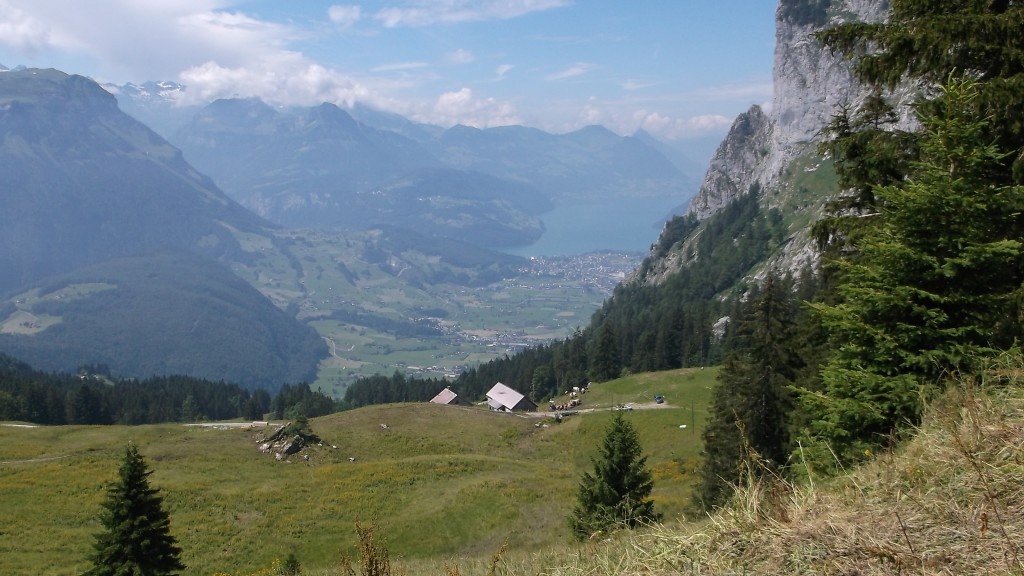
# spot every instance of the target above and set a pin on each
(142, 39)
(462, 107)
(676, 128)
(21, 31)
(400, 66)
(288, 80)
(503, 69)
(755, 91)
(634, 85)
(461, 56)
(578, 69)
(427, 12)
(344, 16)
(623, 118)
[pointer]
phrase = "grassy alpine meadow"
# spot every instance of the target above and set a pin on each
(441, 483)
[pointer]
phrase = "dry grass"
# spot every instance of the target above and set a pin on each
(950, 502)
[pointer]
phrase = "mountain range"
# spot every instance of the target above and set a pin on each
(113, 247)
(120, 251)
(89, 184)
(329, 167)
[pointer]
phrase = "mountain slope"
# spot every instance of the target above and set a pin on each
(164, 313)
(321, 168)
(589, 164)
(97, 200)
(776, 151)
(83, 182)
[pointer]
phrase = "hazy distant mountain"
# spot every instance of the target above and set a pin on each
(305, 167)
(276, 162)
(320, 167)
(84, 185)
(155, 104)
(590, 163)
(394, 123)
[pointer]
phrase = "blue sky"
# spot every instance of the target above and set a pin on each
(677, 68)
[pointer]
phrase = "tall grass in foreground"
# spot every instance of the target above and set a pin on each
(951, 501)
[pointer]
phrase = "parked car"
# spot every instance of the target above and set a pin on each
(658, 398)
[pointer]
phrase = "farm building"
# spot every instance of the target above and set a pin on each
(448, 397)
(505, 399)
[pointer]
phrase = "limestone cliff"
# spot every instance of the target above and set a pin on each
(810, 86)
(776, 147)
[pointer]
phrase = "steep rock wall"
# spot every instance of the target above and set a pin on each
(810, 87)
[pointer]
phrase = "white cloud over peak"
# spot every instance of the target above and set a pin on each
(428, 12)
(462, 107)
(142, 38)
(677, 128)
(21, 31)
(287, 81)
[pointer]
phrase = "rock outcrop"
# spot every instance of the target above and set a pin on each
(739, 158)
(285, 441)
(810, 87)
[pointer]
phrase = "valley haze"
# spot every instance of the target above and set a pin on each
(382, 184)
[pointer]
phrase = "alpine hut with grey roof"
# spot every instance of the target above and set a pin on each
(448, 397)
(501, 398)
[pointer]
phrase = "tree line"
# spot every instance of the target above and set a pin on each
(93, 396)
(922, 274)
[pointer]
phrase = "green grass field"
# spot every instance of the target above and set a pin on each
(321, 275)
(441, 482)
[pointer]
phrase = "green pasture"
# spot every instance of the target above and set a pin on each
(319, 274)
(441, 482)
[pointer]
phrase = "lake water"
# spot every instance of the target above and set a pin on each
(629, 225)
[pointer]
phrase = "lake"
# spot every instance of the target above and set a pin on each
(628, 224)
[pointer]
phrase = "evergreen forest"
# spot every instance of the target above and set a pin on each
(93, 396)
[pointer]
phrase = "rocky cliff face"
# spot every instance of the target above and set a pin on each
(810, 86)
(774, 147)
(736, 164)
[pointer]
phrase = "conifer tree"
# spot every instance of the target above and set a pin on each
(923, 42)
(604, 360)
(935, 287)
(136, 538)
(617, 494)
(751, 402)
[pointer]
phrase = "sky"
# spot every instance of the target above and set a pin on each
(677, 68)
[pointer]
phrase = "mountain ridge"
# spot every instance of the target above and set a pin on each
(89, 190)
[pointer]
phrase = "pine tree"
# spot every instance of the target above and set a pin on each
(136, 540)
(604, 360)
(936, 285)
(751, 403)
(925, 41)
(617, 494)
